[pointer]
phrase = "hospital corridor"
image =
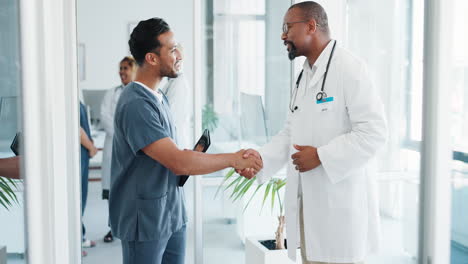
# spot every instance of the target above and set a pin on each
(233, 132)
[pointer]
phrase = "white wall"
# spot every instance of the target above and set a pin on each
(103, 28)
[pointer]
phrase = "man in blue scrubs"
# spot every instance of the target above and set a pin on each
(147, 208)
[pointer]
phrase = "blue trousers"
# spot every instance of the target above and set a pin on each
(168, 250)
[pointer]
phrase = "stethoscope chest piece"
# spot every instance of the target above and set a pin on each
(320, 96)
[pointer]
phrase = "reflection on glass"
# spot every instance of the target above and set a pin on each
(459, 130)
(12, 217)
(393, 53)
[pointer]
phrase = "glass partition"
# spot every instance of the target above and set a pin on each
(12, 207)
(245, 97)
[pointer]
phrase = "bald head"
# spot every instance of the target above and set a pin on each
(313, 10)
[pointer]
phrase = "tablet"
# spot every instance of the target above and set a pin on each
(15, 144)
(202, 146)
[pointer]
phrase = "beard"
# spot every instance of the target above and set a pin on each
(169, 72)
(292, 52)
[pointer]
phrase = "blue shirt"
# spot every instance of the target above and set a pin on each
(145, 202)
(85, 125)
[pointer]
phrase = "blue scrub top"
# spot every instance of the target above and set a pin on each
(145, 202)
(85, 125)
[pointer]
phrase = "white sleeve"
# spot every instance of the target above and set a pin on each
(275, 153)
(107, 116)
(368, 134)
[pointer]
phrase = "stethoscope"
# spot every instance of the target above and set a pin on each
(321, 94)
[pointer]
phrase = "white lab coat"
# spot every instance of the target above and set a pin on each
(341, 221)
(108, 105)
(180, 99)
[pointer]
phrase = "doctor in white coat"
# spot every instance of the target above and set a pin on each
(335, 126)
(127, 69)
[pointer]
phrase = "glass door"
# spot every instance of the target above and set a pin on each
(246, 82)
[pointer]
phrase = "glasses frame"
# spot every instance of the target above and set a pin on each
(286, 25)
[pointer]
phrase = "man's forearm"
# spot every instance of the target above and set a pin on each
(9, 168)
(187, 162)
(197, 163)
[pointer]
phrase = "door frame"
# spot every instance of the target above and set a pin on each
(51, 132)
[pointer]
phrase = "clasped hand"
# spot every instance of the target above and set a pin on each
(243, 161)
(305, 159)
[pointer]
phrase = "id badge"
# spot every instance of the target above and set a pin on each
(325, 105)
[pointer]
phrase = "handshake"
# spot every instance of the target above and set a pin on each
(247, 163)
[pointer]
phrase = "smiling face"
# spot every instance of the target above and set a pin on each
(298, 33)
(169, 54)
(126, 72)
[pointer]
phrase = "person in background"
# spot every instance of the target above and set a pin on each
(88, 150)
(178, 94)
(127, 68)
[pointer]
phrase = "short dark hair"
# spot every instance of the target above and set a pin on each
(144, 37)
(313, 10)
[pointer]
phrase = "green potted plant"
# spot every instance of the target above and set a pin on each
(7, 198)
(260, 250)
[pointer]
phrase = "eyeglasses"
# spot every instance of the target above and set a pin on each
(286, 25)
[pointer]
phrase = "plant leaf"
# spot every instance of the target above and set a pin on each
(281, 184)
(256, 190)
(244, 190)
(226, 178)
(4, 198)
(234, 182)
(3, 204)
(273, 193)
(267, 191)
(6, 188)
(239, 187)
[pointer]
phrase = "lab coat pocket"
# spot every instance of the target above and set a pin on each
(153, 218)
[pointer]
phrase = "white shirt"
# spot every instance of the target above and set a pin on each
(156, 93)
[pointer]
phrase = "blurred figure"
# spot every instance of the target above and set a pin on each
(88, 150)
(178, 94)
(127, 70)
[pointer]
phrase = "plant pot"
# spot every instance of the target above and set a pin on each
(3, 255)
(257, 253)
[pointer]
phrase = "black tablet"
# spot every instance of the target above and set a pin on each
(202, 146)
(15, 145)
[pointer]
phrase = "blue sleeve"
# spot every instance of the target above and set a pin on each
(142, 125)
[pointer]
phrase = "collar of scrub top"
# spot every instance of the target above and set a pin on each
(314, 72)
(157, 93)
